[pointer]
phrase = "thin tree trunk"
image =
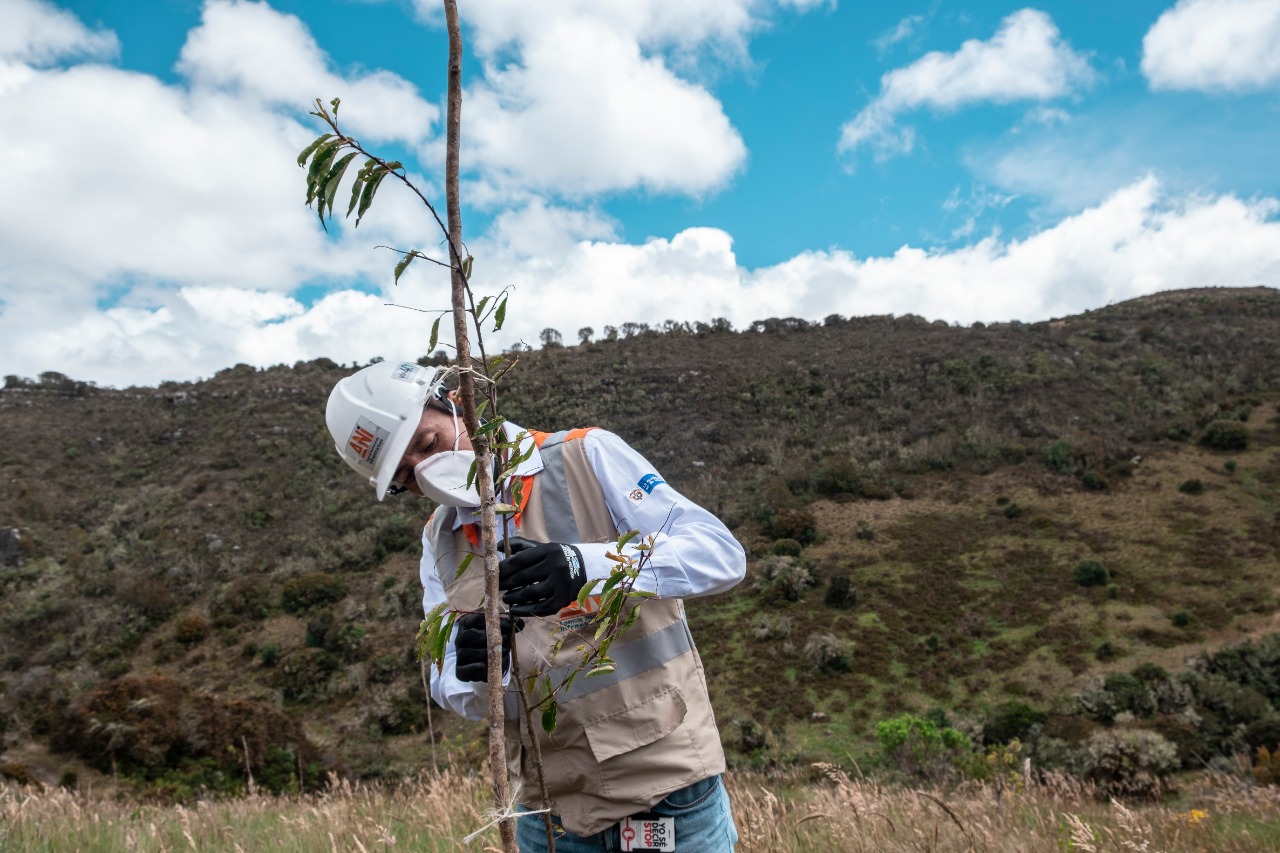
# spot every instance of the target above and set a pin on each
(483, 451)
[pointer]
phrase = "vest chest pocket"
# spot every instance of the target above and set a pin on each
(646, 739)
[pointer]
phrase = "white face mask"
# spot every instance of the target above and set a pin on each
(443, 476)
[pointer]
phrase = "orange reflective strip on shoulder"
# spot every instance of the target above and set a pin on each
(538, 437)
(526, 487)
(575, 434)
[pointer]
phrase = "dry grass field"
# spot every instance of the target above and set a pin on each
(778, 813)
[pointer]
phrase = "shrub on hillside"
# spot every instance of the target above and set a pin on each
(244, 599)
(829, 653)
(782, 577)
(787, 548)
(1010, 721)
(1266, 766)
(1128, 762)
(797, 524)
(1058, 457)
(1250, 664)
(314, 590)
(1091, 573)
(837, 475)
(1193, 486)
(1093, 481)
(840, 593)
(399, 535)
(751, 739)
(304, 675)
(920, 748)
(766, 627)
(191, 629)
(1263, 732)
(153, 727)
(345, 641)
(1225, 435)
(150, 597)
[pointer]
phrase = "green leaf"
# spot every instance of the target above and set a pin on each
(500, 314)
(585, 592)
(505, 509)
(471, 473)
(603, 667)
(549, 717)
(366, 196)
(323, 157)
(404, 264)
(393, 165)
(466, 272)
(435, 333)
(356, 187)
(335, 178)
(490, 426)
(310, 149)
(625, 538)
(466, 561)
(480, 305)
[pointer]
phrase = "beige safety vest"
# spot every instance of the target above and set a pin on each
(622, 741)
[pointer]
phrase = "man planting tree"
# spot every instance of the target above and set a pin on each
(632, 758)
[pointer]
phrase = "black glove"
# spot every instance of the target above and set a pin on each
(540, 578)
(472, 663)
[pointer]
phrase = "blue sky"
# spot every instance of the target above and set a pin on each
(624, 162)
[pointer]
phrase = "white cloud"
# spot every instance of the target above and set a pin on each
(1214, 45)
(1026, 59)
(38, 33)
(901, 31)
(567, 271)
(641, 118)
(130, 198)
(1135, 242)
(261, 55)
(630, 123)
(154, 234)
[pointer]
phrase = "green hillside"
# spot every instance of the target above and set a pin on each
(978, 523)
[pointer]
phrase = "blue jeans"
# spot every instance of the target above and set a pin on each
(704, 824)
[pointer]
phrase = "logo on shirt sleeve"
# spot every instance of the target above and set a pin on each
(649, 482)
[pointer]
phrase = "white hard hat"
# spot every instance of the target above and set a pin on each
(374, 412)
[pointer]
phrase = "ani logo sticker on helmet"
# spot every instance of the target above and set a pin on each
(405, 371)
(367, 440)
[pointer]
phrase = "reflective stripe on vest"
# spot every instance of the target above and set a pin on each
(632, 659)
(556, 503)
